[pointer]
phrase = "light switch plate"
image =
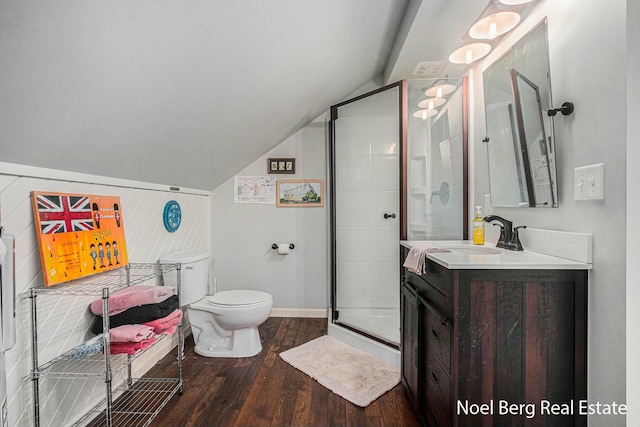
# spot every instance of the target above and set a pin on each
(588, 182)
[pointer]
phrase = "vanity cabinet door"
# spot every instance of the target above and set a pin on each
(435, 366)
(437, 334)
(521, 339)
(409, 341)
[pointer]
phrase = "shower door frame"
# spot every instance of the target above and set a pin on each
(402, 86)
(403, 182)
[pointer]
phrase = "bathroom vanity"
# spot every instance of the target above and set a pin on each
(493, 337)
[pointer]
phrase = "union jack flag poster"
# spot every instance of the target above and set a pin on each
(78, 235)
(62, 214)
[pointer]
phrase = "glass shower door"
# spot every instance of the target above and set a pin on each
(367, 211)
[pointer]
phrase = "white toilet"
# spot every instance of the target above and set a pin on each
(224, 324)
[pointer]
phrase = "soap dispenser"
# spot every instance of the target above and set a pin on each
(478, 227)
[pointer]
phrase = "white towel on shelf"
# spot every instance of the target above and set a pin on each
(416, 259)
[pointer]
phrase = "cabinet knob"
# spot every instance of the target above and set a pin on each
(391, 215)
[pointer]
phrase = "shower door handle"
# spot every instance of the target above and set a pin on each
(391, 215)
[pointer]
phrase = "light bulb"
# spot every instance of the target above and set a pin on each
(440, 90)
(514, 2)
(493, 27)
(424, 114)
(431, 103)
(469, 53)
(468, 56)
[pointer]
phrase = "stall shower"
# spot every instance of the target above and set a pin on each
(397, 173)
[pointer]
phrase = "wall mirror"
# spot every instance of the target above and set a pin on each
(520, 142)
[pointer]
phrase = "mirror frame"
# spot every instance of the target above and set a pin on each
(523, 173)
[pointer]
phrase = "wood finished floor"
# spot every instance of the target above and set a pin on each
(266, 391)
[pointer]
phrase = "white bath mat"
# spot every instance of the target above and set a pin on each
(355, 375)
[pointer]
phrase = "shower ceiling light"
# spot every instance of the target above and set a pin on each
(515, 2)
(470, 53)
(494, 25)
(440, 90)
(431, 103)
(423, 114)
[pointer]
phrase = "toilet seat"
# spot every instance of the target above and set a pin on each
(233, 299)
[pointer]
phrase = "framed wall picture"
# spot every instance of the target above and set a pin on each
(281, 165)
(78, 235)
(300, 193)
(254, 189)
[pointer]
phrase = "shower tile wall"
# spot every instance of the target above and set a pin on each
(435, 156)
(365, 188)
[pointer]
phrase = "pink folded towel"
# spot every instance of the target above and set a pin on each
(166, 325)
(133, 296)
(130, 333)
(131, 347)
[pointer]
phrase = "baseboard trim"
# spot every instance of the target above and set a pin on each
(300, 312)
(148, 360)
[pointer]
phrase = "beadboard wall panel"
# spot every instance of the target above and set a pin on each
(64, 321)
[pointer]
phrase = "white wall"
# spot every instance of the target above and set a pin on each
(587, 57)
(242, 234)
(65, 320)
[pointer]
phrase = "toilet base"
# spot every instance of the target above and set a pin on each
(240, 343)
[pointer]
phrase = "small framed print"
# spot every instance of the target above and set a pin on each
(281, 165)
(300, 193)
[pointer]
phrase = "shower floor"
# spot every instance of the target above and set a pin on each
(385, 326)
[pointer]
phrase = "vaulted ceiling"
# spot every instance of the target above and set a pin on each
(188, 93)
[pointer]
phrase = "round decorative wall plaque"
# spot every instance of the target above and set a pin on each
(172, 216)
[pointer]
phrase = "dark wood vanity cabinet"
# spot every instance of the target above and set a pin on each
(495, 347)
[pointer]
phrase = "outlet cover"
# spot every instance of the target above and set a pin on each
(588, 182)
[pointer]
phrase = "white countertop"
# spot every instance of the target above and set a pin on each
(505, 260)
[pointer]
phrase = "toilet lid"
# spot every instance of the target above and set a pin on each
(239, 297)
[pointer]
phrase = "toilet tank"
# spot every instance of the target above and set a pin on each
(194, 274)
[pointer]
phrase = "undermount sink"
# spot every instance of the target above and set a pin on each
(473, 250)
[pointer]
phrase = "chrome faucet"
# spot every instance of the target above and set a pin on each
(509, 238)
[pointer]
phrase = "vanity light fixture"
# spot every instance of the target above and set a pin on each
(494, 25)
(424, 114)
(440, 90)
(431, 103)
(470, 53)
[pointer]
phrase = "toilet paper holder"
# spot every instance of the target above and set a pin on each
(275, 246)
